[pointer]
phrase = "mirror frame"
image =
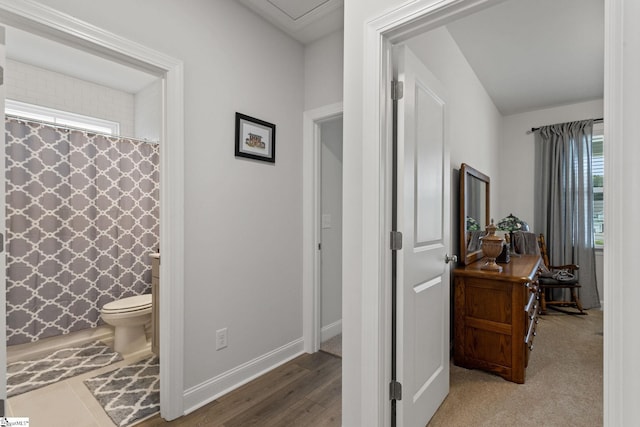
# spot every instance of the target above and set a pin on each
(466, 172)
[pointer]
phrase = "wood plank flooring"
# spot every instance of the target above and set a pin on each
(304, 392)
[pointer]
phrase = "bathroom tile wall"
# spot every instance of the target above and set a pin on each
(148, 111)
(46, 88)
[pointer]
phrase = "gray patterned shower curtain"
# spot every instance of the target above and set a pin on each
(82, 217)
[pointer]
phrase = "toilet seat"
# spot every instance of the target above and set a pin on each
(128, 305)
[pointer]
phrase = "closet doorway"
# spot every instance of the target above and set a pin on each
(330, 245)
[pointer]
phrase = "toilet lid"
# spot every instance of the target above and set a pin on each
(138, 302)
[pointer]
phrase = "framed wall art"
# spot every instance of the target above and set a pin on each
(255, 139)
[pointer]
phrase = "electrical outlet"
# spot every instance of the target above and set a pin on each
(221, 339)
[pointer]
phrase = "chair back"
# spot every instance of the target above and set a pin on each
(543, 250)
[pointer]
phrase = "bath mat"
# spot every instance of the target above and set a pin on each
(27, 375)
(130, 393)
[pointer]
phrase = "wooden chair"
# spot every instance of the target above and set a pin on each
(556, 277)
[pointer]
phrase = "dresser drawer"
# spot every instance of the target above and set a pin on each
(495, 316)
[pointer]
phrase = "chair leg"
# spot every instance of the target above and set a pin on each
(576, 299)
(543, 302)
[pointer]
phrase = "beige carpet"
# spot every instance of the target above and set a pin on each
(333, 345)
(563, 382)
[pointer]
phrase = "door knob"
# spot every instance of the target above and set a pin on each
(448, 259)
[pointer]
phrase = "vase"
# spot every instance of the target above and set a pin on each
(491, 246)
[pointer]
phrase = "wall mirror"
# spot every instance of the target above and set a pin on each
(474, 212)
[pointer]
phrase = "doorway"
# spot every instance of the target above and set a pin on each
(330, 135)
(369, 267)
(329, 116)
(69, 259)
(38, 19)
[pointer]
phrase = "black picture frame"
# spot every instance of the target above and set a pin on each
(255, 138)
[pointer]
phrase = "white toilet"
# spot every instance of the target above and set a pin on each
(129, 317)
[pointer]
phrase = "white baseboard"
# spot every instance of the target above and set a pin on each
(208, 391)
(331, 330)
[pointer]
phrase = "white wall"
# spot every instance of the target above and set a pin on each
(46, 88)
(475, 122)
(517, 154)
(243, 218)
(323, 63)
(331, 210)
(148, 112)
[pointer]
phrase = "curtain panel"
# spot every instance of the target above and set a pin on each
(564, 205)
(82, 216)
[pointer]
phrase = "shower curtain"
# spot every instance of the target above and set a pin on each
(82, 217)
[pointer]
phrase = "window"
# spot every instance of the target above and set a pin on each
(597, 171)
(58, 117)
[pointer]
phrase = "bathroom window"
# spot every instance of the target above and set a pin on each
(59, 117)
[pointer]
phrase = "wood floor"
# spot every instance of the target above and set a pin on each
(304, 392)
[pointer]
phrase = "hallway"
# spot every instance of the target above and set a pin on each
(303, 392)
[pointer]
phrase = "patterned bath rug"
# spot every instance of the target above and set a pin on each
(130, 393)
(27, 375)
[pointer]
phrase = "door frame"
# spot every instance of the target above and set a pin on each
(397, 25)
(311, 218)
(47, 22)
(3, 233)
(381, 33)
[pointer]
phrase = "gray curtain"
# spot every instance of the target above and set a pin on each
(82, 216)
(564, 202)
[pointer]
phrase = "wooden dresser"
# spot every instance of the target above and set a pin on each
(495, 316)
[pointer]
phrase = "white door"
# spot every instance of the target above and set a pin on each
(423, 217)
(3, 263)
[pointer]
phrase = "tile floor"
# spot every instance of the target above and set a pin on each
(67, 403)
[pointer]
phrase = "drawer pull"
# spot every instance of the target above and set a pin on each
(530, 303)
(530, 333)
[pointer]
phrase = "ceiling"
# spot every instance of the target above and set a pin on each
(304, 20)
(527, 54)
(37, 51)
(535, 54)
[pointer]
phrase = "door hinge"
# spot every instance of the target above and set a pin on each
(397, 90)
(319, 246)
(395, 390)
(396, 240)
